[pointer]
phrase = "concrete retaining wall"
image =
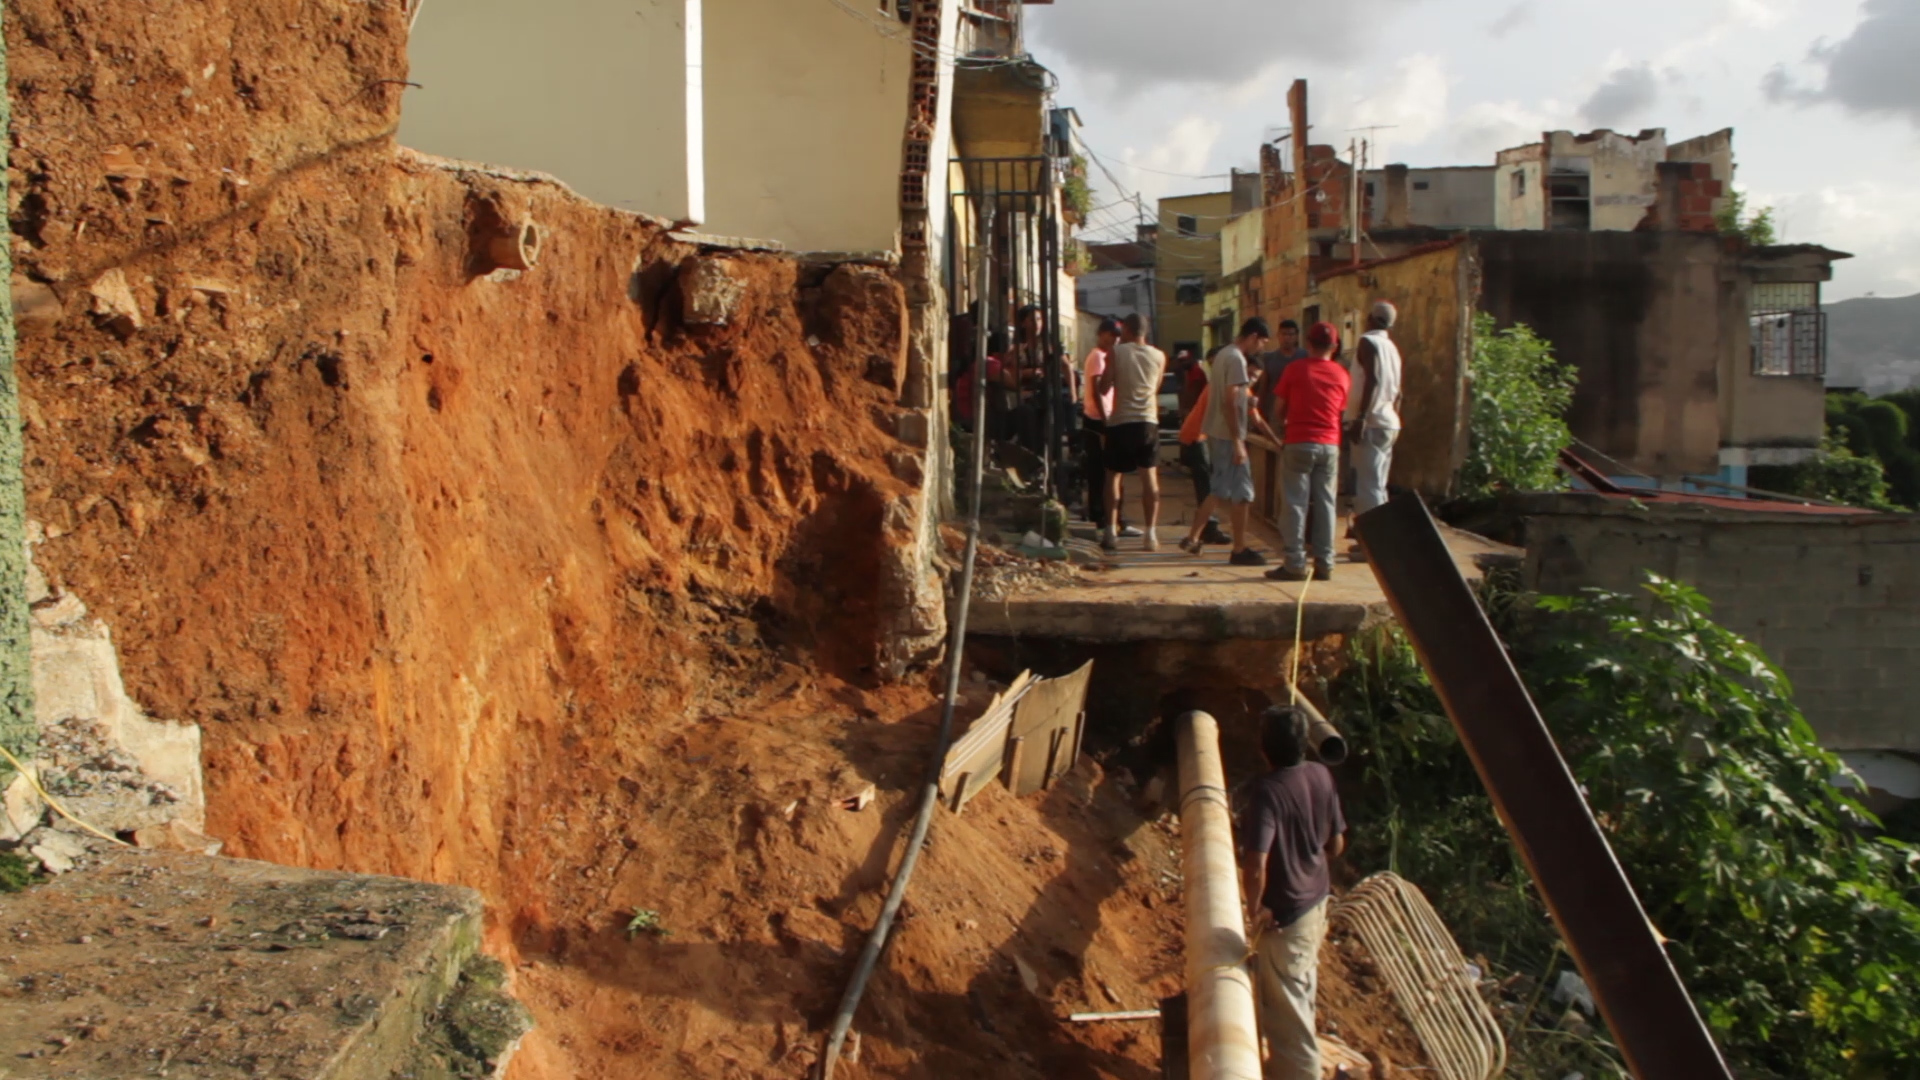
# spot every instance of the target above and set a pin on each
(1835, 601)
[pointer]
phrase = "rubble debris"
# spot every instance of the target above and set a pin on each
(709, 291)
(58, 852)
(113, 304)
(100, 783)
(859, 800)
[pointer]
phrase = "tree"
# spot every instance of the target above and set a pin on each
(1794, 927)
(1756, 228)
(1520, 397)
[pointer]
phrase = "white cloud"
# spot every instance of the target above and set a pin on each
(1144, 43)
(1173, 163)
(1871, 71)
(1488, 127)
(1626, 94)
(1411, 104)
(1515, 17)
(1878, 223)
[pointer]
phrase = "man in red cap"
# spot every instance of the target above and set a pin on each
(1309, 402)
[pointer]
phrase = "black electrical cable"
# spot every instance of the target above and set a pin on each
(930, 797)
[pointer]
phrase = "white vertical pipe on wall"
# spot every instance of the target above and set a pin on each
(696, 115)
(1223, 1036)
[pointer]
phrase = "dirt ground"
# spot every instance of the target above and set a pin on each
(523, 582)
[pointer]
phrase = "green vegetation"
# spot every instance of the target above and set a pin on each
(1797, 933)
(1871, 456)
(1756, 228)
(1075, 194)
(1520, 398)
(16, 872)
(645, 921)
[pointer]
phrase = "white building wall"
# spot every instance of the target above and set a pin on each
(770, 119)
(806, 117)
(600, 93)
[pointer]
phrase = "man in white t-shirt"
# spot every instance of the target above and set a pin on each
(1377, 422)
(1133, 374)
(1229, 397)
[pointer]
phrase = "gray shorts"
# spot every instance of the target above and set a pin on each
(1231, 483)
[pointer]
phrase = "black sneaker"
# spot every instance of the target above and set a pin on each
(1323, 573)
(1283, 573)
(1214, 534)
(1246, 557)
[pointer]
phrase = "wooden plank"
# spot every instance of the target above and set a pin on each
(1050, 709)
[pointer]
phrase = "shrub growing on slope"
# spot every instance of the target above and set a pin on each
(1797, 933)
(1520, 398)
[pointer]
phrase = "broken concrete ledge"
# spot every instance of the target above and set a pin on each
(143, 962)
(1106, 621)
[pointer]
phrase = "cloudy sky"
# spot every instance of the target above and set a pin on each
(1823, 95)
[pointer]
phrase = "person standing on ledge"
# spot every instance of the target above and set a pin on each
(1310, 399)
(1229, 393)
(1133, 376)
(1292, 829)
(1376, 426)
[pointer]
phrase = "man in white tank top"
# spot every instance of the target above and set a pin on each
(1377, 390)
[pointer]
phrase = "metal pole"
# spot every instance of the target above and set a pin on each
(1049, 330)
(1222, 1031)
(956, 643)
(1653, 1019)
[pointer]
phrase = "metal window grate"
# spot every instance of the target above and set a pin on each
(1774, 297)
(1790, 343)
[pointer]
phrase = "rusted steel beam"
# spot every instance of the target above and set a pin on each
(1653, 1019)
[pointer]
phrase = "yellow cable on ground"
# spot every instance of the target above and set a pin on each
(1299, 631)
(57, 808)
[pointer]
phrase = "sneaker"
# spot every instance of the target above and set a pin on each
(1323, 573)
(1150, 542)
(1287, 573)
(1246, 557)
(1215, 535)
(1131, 532)
(1356, 554)
(1192, 546)
(1107, 542)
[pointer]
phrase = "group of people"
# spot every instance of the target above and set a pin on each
(1304, 400)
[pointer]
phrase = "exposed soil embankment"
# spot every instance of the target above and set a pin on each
(524, 582)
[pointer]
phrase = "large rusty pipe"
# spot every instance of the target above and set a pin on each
(1323, 738)
(1223, 1035)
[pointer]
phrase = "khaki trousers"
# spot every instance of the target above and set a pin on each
(1287, 975)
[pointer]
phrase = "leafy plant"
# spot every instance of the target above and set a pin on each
(1756, 228)
(1835, 474)
(1079, 258)
(1075, 194)
(16, 872)
(1520, 397)
(646, 921)
(1797, 932)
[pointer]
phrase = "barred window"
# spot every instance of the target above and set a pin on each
(1790, 343)
(1789, 331)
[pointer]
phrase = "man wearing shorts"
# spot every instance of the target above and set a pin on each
(1229, 390)
(1133, 375)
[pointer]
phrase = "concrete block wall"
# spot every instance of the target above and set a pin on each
(1834, 600)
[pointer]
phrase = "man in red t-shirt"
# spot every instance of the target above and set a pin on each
(1310, 399)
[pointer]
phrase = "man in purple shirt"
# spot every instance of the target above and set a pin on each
(1291, 828)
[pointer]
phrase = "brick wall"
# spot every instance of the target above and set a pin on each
(1835, 601)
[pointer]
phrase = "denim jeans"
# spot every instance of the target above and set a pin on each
(1372, 458)
(1310, 473)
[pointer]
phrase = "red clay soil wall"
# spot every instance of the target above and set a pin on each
(409, 542)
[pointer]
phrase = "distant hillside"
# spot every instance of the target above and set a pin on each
(1874, 342)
